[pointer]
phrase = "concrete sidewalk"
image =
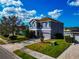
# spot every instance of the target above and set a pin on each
(71, 53)
(14, 46)
(36, 54)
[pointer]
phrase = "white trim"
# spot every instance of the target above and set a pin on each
(40, 29)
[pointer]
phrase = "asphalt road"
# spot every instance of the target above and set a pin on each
(4, 54)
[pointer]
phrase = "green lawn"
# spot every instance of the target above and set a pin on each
(23, 55)
(1, 42)
(2, 37)
(48, 49)
(20, 38)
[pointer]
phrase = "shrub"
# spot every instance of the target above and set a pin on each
(58, 36)
(27, 33)
(69, 39)
(54, 43)
(32, 34)
(13, 37)
(6, 35)
(18, 38)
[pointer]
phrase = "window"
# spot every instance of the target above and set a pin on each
(44, 24)
(49, 24)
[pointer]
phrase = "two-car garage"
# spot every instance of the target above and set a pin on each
(76, 37)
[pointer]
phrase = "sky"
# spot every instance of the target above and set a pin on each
(66, 11)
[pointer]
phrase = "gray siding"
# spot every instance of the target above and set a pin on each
(56, 28)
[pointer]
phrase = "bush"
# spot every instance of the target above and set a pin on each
(13, 37)
(27, 33)
(58, 36)
(54, 43)
(32, 34)
(18, 38)
(6, 35)
(69, 39)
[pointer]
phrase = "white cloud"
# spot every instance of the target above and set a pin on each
(39, 17)
(73, 3)
(3, 1)
(31, 13)
(17, 3)
(13, 9)
(20, 12)
(16, 9)
(55, 13)
(11, 2)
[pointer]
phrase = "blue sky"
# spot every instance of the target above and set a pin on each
(66, 11)
(44, 6)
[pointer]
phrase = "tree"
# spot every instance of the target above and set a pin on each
(8, 25)
(13, 20)
(3, 26)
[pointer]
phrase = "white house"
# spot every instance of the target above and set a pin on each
(47, 27)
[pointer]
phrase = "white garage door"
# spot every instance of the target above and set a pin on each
(77, 37)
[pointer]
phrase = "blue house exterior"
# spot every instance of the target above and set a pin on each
(46, 27)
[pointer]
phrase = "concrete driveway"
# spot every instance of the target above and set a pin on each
(14, 46)
(6, 50)
(71, 53)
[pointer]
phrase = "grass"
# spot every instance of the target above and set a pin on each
(2, 37)
(48, 49)
(20, 38)
(23, 55)
(1, 42)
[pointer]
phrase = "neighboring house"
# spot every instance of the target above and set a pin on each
(76, 34)
(46, 27)
(67, 32)
(72, 32)
(21, 29)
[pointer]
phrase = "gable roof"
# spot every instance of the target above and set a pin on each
(21, 27)
(46, 19)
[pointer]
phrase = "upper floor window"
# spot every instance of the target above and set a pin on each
(49, 24)
(44, 24)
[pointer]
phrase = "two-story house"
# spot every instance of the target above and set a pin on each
(46, 27)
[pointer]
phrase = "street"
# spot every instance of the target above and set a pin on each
(4, 54)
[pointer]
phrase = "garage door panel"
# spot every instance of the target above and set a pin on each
(77, 37)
